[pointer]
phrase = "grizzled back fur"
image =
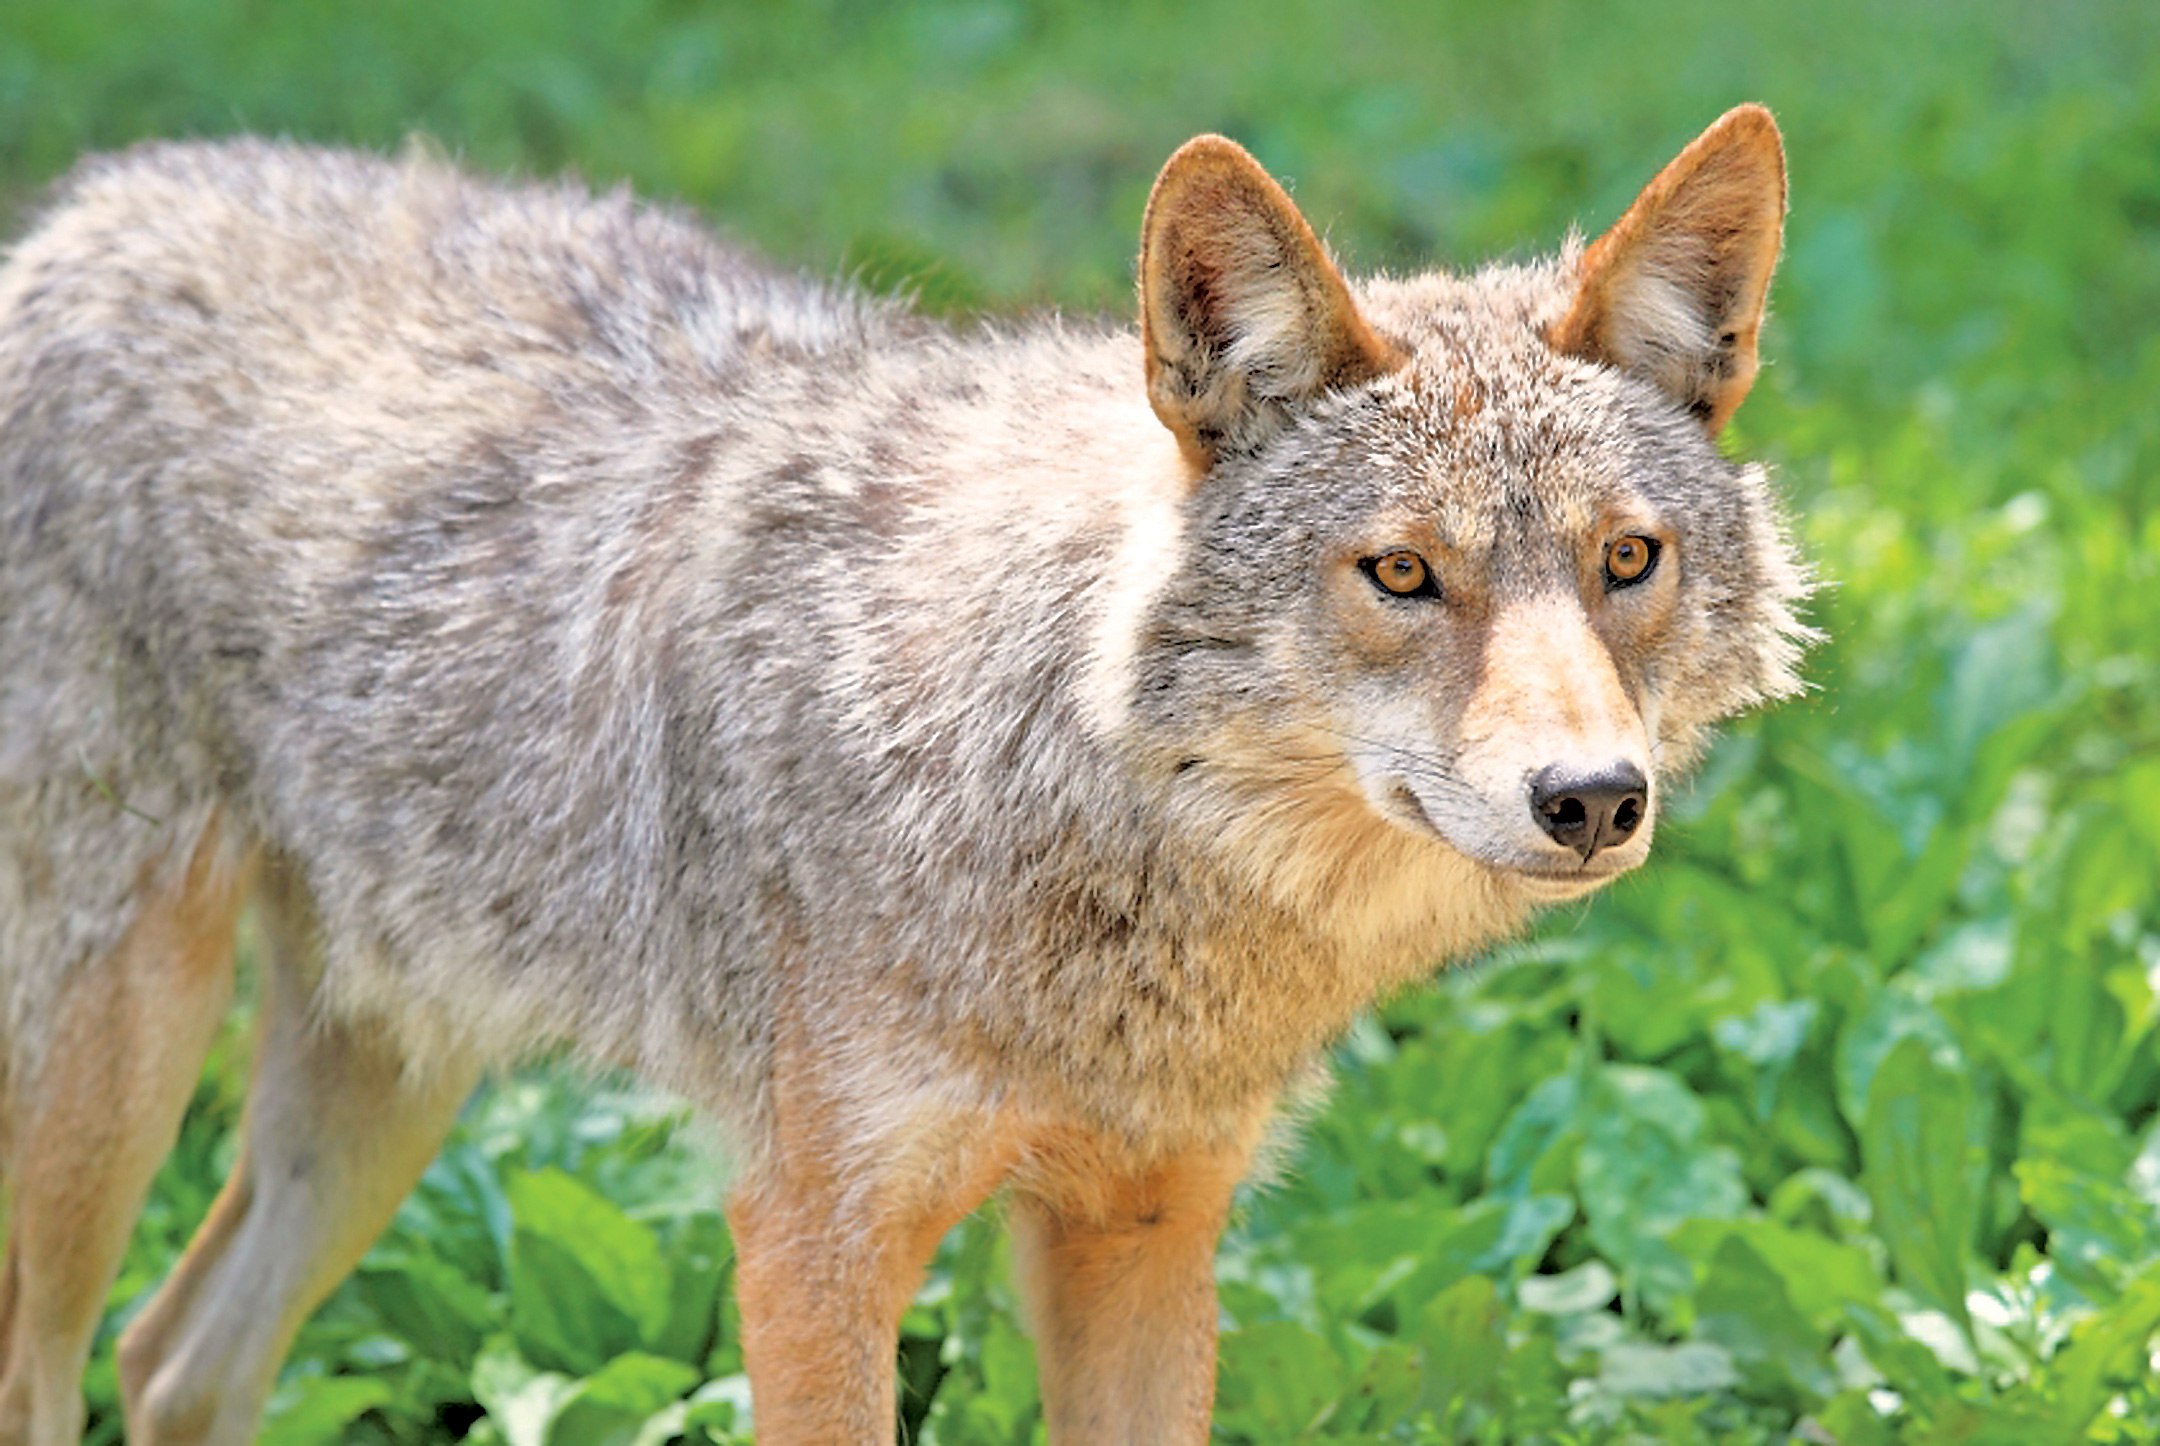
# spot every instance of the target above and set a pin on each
(629, 645)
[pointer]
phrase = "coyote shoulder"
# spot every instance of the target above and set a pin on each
(961, 761)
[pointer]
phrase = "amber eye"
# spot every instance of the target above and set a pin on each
(1402, 574)
(1630, 560)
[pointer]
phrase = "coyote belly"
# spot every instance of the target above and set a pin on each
(961, 762)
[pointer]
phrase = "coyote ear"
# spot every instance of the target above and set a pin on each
(1674, 291)
(1241, 311)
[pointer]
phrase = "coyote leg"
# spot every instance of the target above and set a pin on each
(335, 1134)
(1120, 1289)
(87, 1134)
(832, 1244)
(821, 1307)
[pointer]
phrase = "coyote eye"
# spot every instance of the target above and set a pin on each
(1401, 574)
(1629, 560)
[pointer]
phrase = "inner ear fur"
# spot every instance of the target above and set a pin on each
(1241, 311)
(1674, 292)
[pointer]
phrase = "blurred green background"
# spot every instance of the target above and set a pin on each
(1838, 1124)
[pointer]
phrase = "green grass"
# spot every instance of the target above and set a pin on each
(1841, 1122)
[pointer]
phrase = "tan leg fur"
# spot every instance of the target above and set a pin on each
(1120, 1284)
(88, 1132)
(335, 1134)
(1116, 1253)
(831, 1246)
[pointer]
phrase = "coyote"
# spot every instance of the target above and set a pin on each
(961, 760)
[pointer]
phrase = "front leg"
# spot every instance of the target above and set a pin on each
(821, 1298)
(833, 1235)
(1120, 1286)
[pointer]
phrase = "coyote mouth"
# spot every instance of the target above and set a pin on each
(1559, 885)
(1413, 810)
(1551, 881)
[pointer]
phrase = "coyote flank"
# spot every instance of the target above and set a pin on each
(960, 761)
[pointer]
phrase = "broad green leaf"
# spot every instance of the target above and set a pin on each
(720, 1407)
(520, 1400)
(1532, 1223)
(1408, 1252)
(2003, 669)
(587, 1282)
(1822, 1197)
(2098, 1231)
(1769, 1038)
(2110, 1348)
(1892, 1016)
(319, 1410)
(610, 1407)
(1534, 1151)
(2144, 1176)
(459, 1215)
(1009, 1373)
(697, 1252)
(1385, 1392)
(429, 1303)
(1742, 1306)
(2087, 1138)
(1819, 1276)
(1475, 1070)
(2139, 788)
(1851, 1419)
(1913, 1153)
(1463, 1334)
(1976, 955)
(1279, 1380)
(1644, 1168)
(1909, 1366)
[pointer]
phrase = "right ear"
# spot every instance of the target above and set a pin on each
(1674, 292)
(1241, 310)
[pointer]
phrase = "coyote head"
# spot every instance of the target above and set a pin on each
(1463, 550)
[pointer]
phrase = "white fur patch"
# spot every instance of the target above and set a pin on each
(1274, 336)
(1149, 551)
(1659, 316)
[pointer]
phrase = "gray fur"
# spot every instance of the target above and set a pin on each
(629, 645)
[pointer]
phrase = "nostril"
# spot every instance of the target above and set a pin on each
(1590, 810)
(1566, 813)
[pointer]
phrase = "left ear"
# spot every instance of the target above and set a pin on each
(1674, 292)
(1241, 311)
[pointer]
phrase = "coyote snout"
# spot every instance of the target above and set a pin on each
(1541, 760)
(1567, 739)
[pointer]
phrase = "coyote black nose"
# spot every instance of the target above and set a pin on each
(1590, 811)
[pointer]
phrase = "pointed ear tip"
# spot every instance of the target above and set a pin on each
(1749, 123)
(1214, 174)
(1207, 152)
(1209, 142)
